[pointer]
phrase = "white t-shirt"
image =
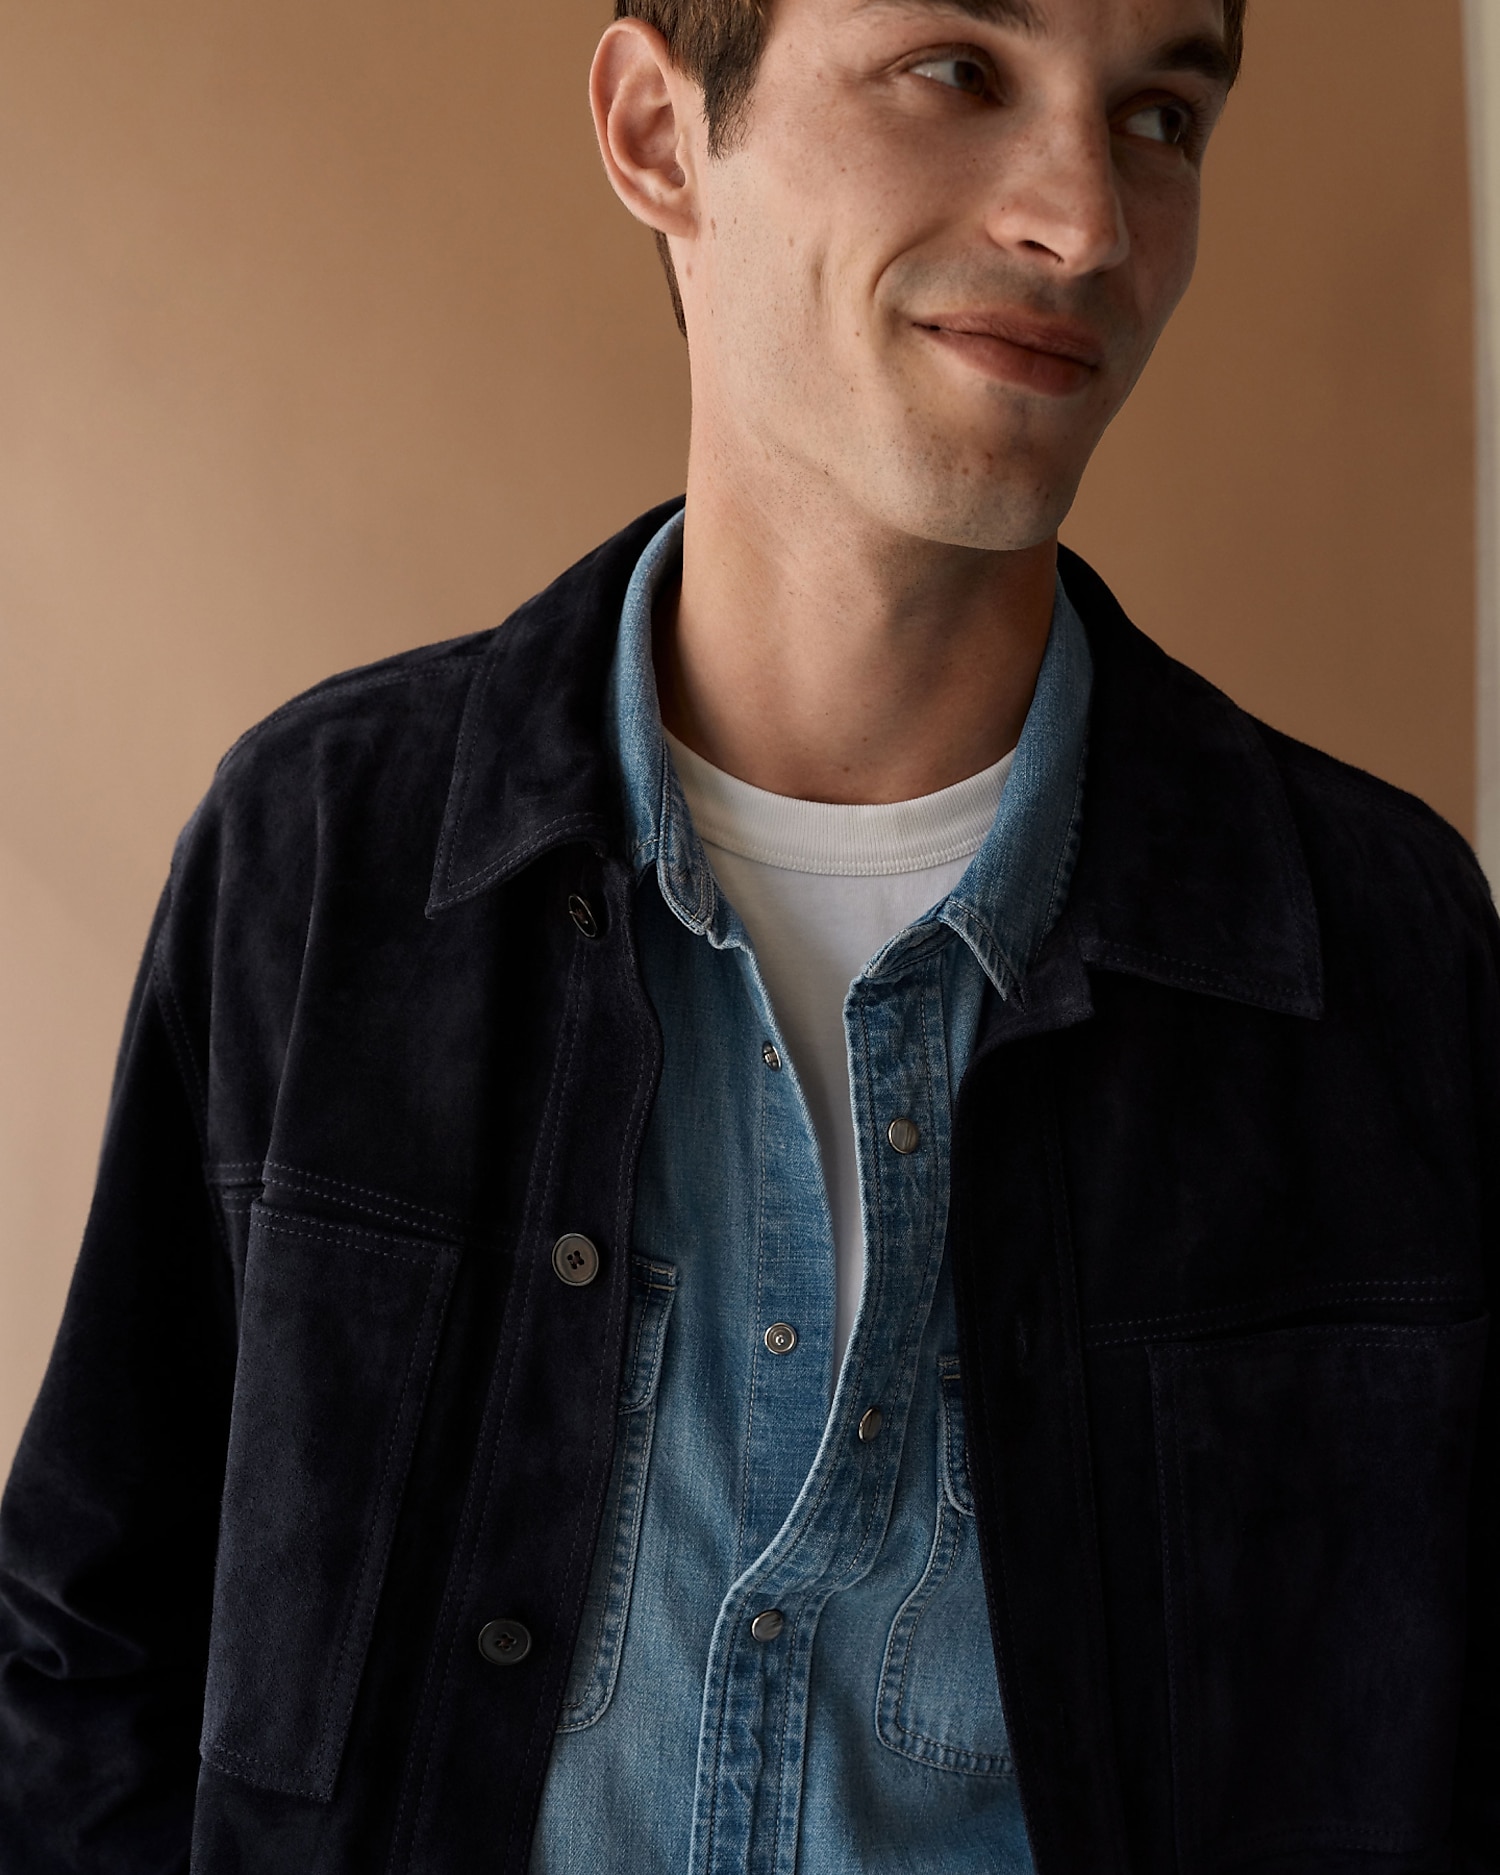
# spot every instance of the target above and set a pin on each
(820, 889)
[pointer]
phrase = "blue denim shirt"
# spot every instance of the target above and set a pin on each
(862, 1730)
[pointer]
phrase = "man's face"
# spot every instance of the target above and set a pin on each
(937, 256)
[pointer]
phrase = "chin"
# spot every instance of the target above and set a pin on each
(993, 494)
(990, 514)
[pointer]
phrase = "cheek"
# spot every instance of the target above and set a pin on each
(1165, 240)
(795, 278)
(823, 200)
(762, 219)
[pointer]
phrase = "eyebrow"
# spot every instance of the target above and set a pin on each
(1198, 52)
(1020, 14)
(1201, 53)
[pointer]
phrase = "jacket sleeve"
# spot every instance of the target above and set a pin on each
(107, 1527)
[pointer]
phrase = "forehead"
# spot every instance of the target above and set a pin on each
(1144, 20)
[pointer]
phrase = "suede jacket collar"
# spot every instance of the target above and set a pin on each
(1168, 887)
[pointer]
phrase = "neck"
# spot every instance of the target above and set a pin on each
(817, 653)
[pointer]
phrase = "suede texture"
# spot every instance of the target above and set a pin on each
(1224, 1242)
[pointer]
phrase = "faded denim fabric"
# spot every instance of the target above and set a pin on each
(868, 1735)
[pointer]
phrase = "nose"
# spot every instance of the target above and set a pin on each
(1057, 201)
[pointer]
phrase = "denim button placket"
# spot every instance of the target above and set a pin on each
(909, 1036)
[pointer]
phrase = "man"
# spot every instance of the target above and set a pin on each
(808, 1211)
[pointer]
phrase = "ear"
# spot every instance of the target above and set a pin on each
(644, 109)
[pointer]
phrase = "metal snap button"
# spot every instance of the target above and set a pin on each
(575, 1259)
(767, 1626)
(781, 1337)
(769, 1055)
(904, 1135)
(582, 914)
(504, 1643)
(869, 1426)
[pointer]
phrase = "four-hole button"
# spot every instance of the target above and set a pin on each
(504, 1643)
(575, 1260)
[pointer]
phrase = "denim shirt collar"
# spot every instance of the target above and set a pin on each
(1015, 885)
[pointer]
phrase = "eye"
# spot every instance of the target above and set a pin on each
(956, 71)
(1163, 122)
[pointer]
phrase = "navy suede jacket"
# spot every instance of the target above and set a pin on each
(1224, 1238)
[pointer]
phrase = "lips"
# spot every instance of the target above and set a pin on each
(1054, 356)
(1057, 338)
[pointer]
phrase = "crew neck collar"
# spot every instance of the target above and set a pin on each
(848, 840)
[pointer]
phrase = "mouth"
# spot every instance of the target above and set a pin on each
(1055, 356)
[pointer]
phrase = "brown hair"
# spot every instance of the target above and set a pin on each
(718, 44)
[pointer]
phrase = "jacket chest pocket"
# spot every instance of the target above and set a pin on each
(939, 1695)
(606, 1609)
(338, 1335)
(1314, 1495)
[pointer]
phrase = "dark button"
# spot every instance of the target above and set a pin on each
(781, 1337)
(767, 1626)
(869, 1426)
(575, 1259)
(503, 1643)
(769, 1055)
(582, 914)
(904, 1135)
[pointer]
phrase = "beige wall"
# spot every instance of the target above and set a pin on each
(320, 335)
(1482, 42)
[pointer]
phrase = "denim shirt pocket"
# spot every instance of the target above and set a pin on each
(939, 1695)
(338, 1334)
(606, 1609)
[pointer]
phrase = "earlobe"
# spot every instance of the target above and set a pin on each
(640, 101)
